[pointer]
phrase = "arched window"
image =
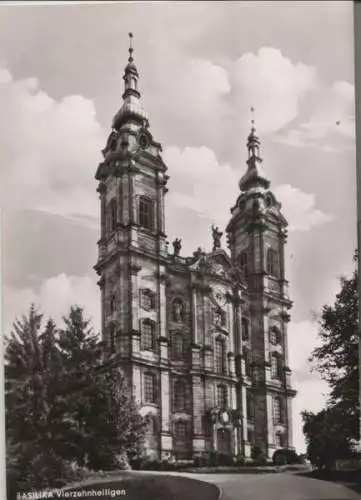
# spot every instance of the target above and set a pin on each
(112, 338)
(147, 335)
(275, 336)
(220, 355)
(179, 395)
(112, 303)
(177, 346)
(247, 362)
(243, 261)
(250, 406)
(272, 262)
(152, 427)
(276, 365)
(222, 396)
(146, 213)
(113, 214)
(277, 410)
(180, 430)
(149, 388)
(245, 329)
(147, 299)
(177, 310)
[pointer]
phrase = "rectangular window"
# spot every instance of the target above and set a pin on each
(147, 336)
(222, 396)
(149, 386)
(179, 395)
(181, 430)
(146, 213)
(220, 357)
(177, 346)
(277, 410)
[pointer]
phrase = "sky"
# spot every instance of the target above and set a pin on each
(202, 66)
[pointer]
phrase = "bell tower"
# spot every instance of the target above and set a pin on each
(132, 249)
(257, 233)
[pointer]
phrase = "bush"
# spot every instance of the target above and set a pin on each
(285, 456)
(258, 456)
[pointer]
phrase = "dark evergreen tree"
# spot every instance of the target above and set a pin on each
(65, 403)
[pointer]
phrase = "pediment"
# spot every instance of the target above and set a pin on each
(216, 263)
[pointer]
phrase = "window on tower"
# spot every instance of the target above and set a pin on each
(113, 214)
(112, 338)
(250, 406)
(243, 262)
(220, 356)
(272, 263)
(147, 299)
(247, 361)
(149, 388)
(177, 346)
(245, 329)
(275, 336)
(147, 335)
(179, 395)
(146, 213)
(277, 410)
(276, 366)
(222, 396)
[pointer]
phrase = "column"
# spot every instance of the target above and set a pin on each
(198, 414)
(270, 425)
(289, 429)
(166, 443)
(135, 333)
(162, 317)
(246, 447)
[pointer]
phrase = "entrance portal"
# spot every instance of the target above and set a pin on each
(224, 441)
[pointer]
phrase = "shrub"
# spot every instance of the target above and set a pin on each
(285, 456)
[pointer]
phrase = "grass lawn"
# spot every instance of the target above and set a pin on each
(350, 479)
(145, 487)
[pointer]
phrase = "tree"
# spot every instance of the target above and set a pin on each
(65, 402)
(330, 432)
(337, 358)
(328, 436)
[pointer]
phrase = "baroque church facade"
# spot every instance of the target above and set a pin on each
(202, 339)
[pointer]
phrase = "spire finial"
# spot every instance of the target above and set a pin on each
(130, 59)
(252, 120)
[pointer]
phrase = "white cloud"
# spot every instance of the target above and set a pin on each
(54, 298)
(49, 149)
(330, 123)
(273, 84)
(299, 208)
(200, 183)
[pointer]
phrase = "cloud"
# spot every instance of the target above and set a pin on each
(273, 85)
(330, 122)
(200, 183)
(299, 208)
(49, 149)
(54, 298)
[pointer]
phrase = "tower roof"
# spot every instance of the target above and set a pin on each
(255, 176)
(131, 108)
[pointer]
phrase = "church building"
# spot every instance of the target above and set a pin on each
(201, 338)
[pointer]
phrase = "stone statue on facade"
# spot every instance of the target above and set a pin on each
(177, 246)
(177, 310)
(216, 235)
